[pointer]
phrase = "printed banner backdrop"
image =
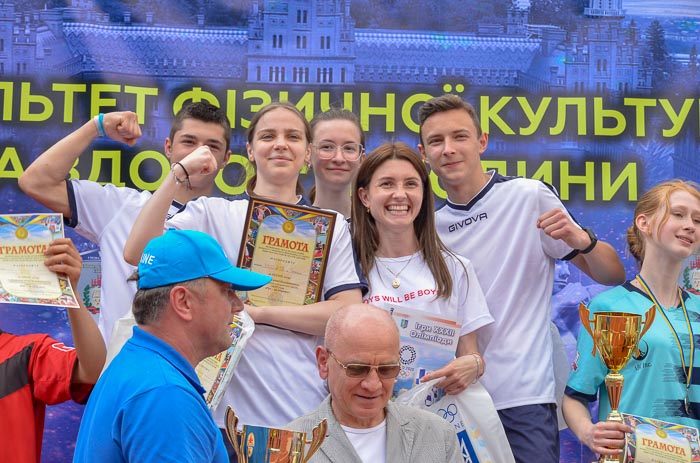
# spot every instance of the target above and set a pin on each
(598, 98)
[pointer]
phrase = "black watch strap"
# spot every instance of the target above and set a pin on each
(594, 241)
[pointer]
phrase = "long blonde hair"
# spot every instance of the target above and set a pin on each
(658, 197)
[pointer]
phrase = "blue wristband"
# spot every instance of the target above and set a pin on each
(99, 120)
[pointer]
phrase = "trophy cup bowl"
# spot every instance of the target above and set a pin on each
(259, 444)
(616, 336)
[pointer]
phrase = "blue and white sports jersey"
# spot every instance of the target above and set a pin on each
(514, 261)
(105, 215)
(654, 378)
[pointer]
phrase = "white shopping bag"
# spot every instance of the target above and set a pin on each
(562, 368)
(473, 415)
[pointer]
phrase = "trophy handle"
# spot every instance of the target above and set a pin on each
(317, 437)
(231, 421)
(648, 320)
(585, 314)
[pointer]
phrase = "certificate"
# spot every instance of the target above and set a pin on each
(655, 441)
(291, 244)
(24, 279)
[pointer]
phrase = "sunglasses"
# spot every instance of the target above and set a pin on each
(362, 370)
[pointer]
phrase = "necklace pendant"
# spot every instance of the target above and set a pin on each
(395, 283)
(687, 404)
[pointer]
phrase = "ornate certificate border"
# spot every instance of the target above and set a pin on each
(290, 243)
(24, 279)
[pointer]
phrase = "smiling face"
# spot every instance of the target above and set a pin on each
(278, 147)
(394, 196)
(193, 134)
(452, 145)
(678, 235)
(336, 173)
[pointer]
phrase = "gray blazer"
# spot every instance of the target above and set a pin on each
(413, 435)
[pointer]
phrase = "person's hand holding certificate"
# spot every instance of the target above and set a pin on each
(24, 279)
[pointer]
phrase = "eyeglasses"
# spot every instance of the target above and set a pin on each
(362, 370)
(350, 151)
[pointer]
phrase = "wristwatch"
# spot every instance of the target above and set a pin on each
(594, 241)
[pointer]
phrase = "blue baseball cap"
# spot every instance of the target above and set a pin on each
(183, 255)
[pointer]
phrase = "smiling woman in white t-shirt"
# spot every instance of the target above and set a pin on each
(405, 262)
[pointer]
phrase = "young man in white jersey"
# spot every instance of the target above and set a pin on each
(106, 214)
(512, 229)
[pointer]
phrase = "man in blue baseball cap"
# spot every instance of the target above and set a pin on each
(148, 405)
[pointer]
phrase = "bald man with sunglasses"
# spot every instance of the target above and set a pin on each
(360, 362)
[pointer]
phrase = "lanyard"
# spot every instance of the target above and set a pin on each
(687, 373)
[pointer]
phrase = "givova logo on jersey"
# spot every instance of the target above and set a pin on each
(468, 221)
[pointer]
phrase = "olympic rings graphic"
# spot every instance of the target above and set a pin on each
(449, 413)
(407, 355)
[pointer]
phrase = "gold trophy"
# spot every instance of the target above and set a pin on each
(615, 335)
(259, 444)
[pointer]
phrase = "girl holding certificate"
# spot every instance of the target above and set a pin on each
(405, 262)
(276, 379)
(335, 158)
(659, 379)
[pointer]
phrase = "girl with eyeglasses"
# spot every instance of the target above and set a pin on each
(276, 378)
(393, 232)
(336, 155)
